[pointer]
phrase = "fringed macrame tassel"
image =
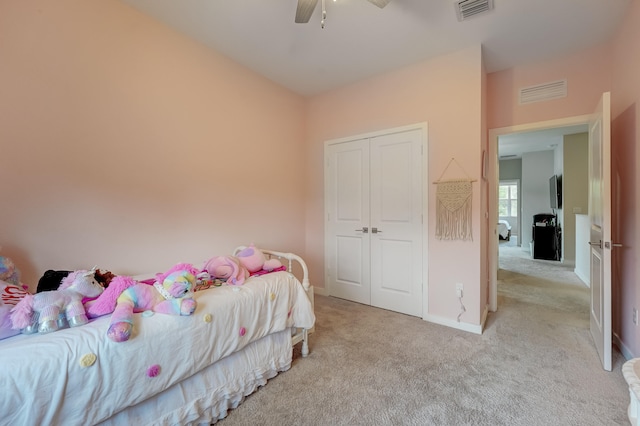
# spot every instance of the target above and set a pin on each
(453, 210)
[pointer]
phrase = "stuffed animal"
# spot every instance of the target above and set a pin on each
(227, 268)
(254, 260)
(171, 293)
(51, 279)
(10, 296)
(41, 312)
(8, 271)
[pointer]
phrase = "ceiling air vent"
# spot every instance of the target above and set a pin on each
(543, 92)
(466, 9)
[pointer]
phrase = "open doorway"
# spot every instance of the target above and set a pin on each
(541, 145)
(534, 169)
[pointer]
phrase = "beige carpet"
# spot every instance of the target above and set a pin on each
(535, 364)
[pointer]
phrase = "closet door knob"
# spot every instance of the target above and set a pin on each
(375, 231)
(364, 230)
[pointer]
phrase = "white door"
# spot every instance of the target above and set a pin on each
(347, 233)
(600, 235)
(373, 199)
(396, 222)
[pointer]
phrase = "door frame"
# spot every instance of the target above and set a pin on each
(494, 181)
(424, 130)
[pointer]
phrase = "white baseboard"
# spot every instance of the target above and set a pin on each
(472, 328)
(321, 291)
(580, 275)
(624, 350)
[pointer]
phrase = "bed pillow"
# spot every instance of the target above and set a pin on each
(10, 295)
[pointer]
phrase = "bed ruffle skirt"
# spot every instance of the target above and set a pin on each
(207, 396)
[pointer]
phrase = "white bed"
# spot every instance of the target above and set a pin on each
(504, 230)
(238, 338)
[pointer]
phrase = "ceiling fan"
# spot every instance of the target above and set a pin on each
(306, 7)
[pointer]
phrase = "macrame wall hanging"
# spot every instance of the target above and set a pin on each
(453, 207)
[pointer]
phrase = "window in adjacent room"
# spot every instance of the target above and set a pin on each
(508, 199)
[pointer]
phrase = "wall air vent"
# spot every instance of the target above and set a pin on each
(466, 9)
(543, 92)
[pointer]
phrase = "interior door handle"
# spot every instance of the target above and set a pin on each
(375, 230)
(364, 230)
(599, 243)
(610, 245)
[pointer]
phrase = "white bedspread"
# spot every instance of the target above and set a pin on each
(503, 229)
(44, 381)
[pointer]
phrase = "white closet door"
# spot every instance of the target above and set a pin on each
(347, 198)
(373, 242)
(396, 222)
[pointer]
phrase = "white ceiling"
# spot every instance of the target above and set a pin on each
(360, 40)
(514, 145)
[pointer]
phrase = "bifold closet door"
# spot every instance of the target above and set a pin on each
(374, 221)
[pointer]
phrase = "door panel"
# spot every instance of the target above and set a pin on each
(373, 197)
(396, 212)
(347, 246)
(600, 235)
(350, 173)
(349, 259)
(395, 267)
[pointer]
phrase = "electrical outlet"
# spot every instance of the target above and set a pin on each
(459, 289)
(635, 316)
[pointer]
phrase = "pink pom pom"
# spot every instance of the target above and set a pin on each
(153, 371)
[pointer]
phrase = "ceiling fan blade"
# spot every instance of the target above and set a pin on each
(380, 3)
(305, 10)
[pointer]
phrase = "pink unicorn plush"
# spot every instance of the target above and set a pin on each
(254, 260)
(227, 268)
(41, 312)
(171, 293)
(236, 269)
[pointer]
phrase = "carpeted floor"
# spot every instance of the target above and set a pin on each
(516, 265)
(535, 364)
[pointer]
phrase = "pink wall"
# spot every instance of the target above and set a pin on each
(588, 75)
(610, 67)
(128, 146)
(626, 181)
(439, 92)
